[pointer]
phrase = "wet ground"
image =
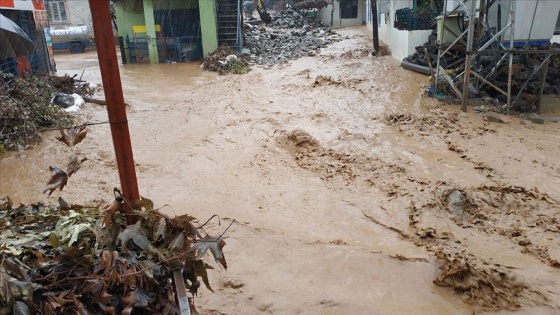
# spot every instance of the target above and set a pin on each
(353, 193)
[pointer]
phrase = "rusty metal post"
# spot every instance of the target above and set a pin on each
(107, 55)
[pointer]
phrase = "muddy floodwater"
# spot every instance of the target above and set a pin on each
(354, 194)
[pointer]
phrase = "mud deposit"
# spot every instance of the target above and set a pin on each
(355, 194)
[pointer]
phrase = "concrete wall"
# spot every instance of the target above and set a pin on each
(126, 18)
(325, 15)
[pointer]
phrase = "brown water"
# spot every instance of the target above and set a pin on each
(337, 171)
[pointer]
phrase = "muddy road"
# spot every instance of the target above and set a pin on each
(353, 193)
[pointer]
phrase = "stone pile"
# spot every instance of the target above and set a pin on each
(291, 18)
(290, 36)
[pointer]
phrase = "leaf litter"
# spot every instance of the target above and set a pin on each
(71, 259)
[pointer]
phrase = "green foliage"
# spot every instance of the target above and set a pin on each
(235, 67)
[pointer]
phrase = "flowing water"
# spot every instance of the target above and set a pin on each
(337, 171)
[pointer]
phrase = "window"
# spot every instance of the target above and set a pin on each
(348, 9)
(56, 10)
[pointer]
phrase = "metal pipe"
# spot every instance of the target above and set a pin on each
(416, 68)
(483, 47)
(436, 82)
(454, 42)
(468, 60)
(451, 84)
(541, 84)
(374, 27)
(545, 62)
(108, 64)
(511, 39)
(489, 83)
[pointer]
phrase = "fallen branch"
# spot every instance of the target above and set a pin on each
(95, 101)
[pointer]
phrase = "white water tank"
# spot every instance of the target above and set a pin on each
(63, 34)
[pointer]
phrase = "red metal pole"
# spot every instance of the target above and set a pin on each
(106, 52)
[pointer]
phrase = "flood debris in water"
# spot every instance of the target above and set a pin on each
(488, 287)
(226, 60)
(26, 106)
(85, 259)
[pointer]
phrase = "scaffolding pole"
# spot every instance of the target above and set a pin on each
(474, 34)
(468, 60)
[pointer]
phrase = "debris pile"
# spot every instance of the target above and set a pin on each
(85, 260)
(225, 60)
(488, 287)
(311, 4)
(291, 18)
(524, 65)
(25, 108)
(269, 46)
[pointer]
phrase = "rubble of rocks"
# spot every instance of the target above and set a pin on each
(291, 18)
(290, 36)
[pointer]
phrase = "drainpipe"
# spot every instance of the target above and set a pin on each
(374, 27)
(332, 13)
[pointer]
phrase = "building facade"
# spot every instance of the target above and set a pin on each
(63, 13)
(402, 42)
(344, 13)
(158, 31)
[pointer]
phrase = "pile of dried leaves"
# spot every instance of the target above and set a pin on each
(226, 60)
(85, 260)
(25, 107)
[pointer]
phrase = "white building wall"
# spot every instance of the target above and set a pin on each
(325, 15)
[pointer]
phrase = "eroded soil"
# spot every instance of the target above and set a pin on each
(354, 193)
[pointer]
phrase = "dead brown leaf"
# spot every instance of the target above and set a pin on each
(72, 136)
(5, 203)
(110, 211)
(58, 180)
(137, 299)
(82, 310)
(215, 245)
(74, 165)
(195, 269)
